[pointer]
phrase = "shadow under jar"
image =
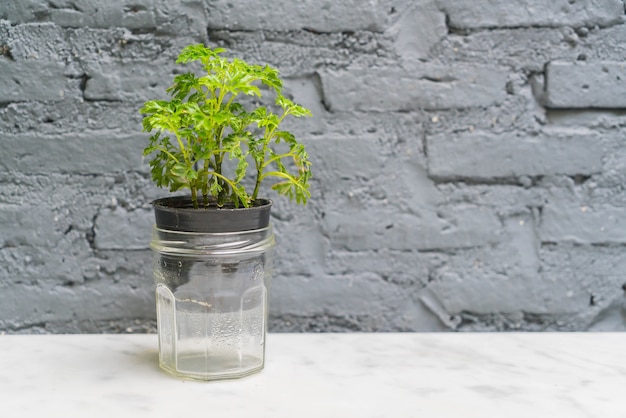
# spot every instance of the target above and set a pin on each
(212, 295)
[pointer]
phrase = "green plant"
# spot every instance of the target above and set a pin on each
(204, 139)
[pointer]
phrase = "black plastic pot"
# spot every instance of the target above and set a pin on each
(178, 214)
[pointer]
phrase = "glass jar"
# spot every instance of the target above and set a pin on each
(212, 301)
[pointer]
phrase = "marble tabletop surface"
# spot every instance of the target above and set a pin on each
(324, 375)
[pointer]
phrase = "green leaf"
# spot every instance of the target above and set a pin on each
(270, 121)
(270, 78)
(183, 85)
(288, 137)
(198, 52)
(291, 107)
(259, 113)
(215, 188)
(299, 111)
(191, 174)
(179, 170)
(240, 171)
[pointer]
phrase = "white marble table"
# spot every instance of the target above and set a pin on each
(324, 375)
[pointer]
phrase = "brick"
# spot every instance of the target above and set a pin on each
(427, 87)
(306, 92)
(482, 155)
(5, 28)
(508, 199)
(306, 240)
(135, 14)
(31, 80)
(598, 272)
(128, 80)
(524, 50)
(325, 16)
(363, 290)
(460, 227)
(138, 14)
(25, 305)
(379, 304)
(405, 267)
(69, 116)
(551, 13)
(418, 30)
(345, 158)
(503, 278)
(31, 262)
(22, 11)
(569, 221)
(119, 229)
(182, 14)
(29, 226)
(469, 286)
(36, 41)
(80, 153)
(179, 17)
(608, 44)
(594, 277)
(582, 85)
(165, 16)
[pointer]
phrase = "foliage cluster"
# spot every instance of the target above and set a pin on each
(203, 130)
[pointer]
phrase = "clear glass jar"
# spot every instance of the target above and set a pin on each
(212, 301)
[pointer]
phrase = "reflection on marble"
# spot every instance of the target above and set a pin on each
(324, 375)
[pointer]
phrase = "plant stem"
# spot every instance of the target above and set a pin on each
(194, 196)
(258, 180)
(233, 186)
(277, 157)
(205, 182)
(285, 176)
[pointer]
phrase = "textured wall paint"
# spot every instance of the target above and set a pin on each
(469, 157)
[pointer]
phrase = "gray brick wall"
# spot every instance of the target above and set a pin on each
(469, 157)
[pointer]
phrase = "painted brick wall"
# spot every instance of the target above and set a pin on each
(469, 157)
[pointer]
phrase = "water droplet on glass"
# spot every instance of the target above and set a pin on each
(258, 273)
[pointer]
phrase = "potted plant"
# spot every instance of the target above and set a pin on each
(218, 138)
